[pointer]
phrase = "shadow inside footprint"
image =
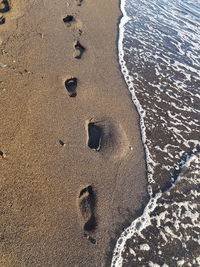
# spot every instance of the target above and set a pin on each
(68, 19)
(2, 20)
(4, 6)
(79, 50)
(87, 206)
(70, 85)
(94, 136)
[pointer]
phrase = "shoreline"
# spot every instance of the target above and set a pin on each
(48, 164)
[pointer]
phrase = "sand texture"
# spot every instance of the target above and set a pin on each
(72, 170)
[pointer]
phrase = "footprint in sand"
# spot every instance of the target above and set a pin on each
(68, 20)
(86, 205)
(2, 20)
(94, 135)
(4, 6)
(78, 50)
(108, 137)
(77, 24)
(71, 85)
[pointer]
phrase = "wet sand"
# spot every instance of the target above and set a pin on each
(65, 199)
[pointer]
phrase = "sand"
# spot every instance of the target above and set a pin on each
(63, 203)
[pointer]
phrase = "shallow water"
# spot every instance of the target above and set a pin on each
(159, 48)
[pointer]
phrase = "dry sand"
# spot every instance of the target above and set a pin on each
(45, 162)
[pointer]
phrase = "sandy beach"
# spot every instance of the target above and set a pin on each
(63, 203)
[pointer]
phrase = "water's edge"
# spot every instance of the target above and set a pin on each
(117, 257)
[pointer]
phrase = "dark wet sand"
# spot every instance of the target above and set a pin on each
(46, 163)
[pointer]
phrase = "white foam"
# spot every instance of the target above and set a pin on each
(176, 209)
(136, 227)
(144, 247)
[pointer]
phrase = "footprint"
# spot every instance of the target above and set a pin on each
(2, 20)
(71, 85)
(68, 20)
(109, 137)
(4, 6)
(86, 204)
(76, 24)
(79, 50)
(94, 136)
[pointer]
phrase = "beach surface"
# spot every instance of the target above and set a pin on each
(63, 203)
